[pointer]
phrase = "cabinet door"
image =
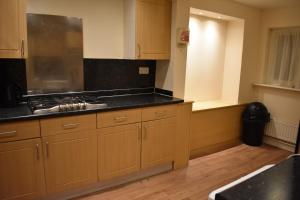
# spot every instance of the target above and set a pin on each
(153, 29)
(119, 150)
(70, 160)
(158, 142)
(12, 28)
(21, 170)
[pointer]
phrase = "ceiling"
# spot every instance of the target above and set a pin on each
(263, 4)
(219, 16)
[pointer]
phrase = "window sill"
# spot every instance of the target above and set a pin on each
(276, 87)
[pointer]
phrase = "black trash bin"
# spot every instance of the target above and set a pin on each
(254, 117)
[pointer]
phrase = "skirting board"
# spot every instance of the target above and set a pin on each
(111, 184)
(279, 143)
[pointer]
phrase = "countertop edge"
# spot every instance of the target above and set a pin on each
(83, 112)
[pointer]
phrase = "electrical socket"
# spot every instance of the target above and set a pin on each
(143, 70)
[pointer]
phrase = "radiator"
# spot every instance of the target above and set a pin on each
(282, 131)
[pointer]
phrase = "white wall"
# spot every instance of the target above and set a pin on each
(275, 18)
(205, 58)
(233, 61)
(250, 58)
(284, 105)
(102, 23)
(164, 74)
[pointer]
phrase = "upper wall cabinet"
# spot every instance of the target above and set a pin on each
(147, 29)
(12, 28)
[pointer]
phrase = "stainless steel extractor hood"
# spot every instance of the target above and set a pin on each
(55, 54)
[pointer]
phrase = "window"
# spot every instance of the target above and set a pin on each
(283, 62)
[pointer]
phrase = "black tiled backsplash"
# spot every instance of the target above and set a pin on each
(163, 91)
(13, 71)
(99, 74)
(108, 74)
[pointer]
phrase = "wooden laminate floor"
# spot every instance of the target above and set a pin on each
(201, 176)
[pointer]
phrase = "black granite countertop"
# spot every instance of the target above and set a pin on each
(120, 102)
(281, 182)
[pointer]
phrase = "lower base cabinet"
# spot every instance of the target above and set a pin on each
(70, 160)
(77, 156)
(21, 170)
(119, 150)
(129, 148)
(158, 142)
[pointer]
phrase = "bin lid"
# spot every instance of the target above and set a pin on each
(256, 111)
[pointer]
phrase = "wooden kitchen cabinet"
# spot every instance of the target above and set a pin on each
(20, 130)
(159, 112)
(13, 36)
(148, 29)
(60, 156)
(116, 118)
(70, 160)
(119, 150)
(158, 142)
(207, 138)
(68, 124)
(21, 170)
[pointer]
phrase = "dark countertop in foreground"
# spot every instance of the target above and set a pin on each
(22, 112)
(281, 182)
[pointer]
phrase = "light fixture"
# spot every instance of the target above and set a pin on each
(200, 13)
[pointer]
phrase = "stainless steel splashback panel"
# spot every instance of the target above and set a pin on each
(55, 54)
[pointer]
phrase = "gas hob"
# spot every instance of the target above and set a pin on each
(63, 103)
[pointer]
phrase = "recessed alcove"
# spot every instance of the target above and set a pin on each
(214, 59)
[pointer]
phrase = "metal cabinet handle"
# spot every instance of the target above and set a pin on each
(120, 119)
(37, 146)
(70, 126)
(145, 133)
(161, 113)
(139, 50)
(22, 49)
(47, 150)
(8, 134)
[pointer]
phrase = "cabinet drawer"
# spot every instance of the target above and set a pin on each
(19, 130)
(118, 118)
(159, 112)
(62, 125)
